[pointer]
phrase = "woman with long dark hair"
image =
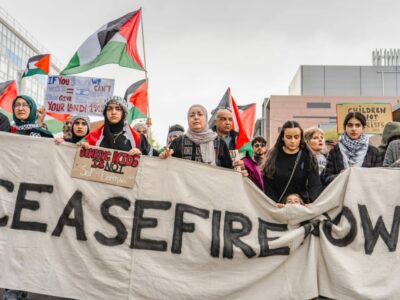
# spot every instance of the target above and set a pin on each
(352, 150)
(290, 167)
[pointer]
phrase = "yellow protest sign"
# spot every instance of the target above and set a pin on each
(377, 115)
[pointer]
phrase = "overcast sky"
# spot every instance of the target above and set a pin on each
(196, 49)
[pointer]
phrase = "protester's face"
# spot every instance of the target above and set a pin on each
(293, 199)
(114, 113)
(142, 130)
(21, 109)
(354, 129)
(291, 138)
(317, 142)
(259, 148)
(224, 121)
(197, 119)
(80, 127)
(68, 125)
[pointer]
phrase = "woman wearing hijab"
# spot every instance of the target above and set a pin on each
(116, 133)
(80, 128)
(200, 143)
(290, 167)
(25, 118)
(352, 150)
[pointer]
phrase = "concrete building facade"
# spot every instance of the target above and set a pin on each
(346, 81)
(16, 47)
(315, 90)
(308, 111)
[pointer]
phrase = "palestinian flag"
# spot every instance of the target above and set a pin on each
(136, 94)
(228, 102)
(248, 116)
(8, 91)
(60, 117)
(114, 43)
(39, 64)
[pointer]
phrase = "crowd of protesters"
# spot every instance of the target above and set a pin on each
(294, 170)
(300, 163)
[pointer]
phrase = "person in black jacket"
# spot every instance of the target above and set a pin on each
(224, 127)
(199, 143)
(4, 123)
(281, 161)
(352, 150)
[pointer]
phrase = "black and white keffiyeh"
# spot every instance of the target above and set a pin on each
(353, 151)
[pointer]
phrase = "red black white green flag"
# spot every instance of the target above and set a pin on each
(248, 116)
(8, 91)
(39, 64)
(228, 102)
(113, 43)
(136, 94)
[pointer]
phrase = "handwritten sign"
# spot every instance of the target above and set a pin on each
(71, 94)
(377, 115)
(105, 165)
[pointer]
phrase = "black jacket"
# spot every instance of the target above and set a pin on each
(4, 123)
(184, 148)
(334, 163)
(305, 181)
(233, 135)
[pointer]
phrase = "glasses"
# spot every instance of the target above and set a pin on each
(21, 106)
(259, 145)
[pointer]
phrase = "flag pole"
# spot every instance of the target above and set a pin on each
(148, 121)
(145, 66)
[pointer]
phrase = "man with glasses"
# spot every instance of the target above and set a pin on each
(253, 164)
(259, 145)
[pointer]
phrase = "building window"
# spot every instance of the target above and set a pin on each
(318, 105)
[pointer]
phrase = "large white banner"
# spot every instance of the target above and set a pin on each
(190, 231)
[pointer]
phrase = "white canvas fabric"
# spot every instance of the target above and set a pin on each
(171, 245)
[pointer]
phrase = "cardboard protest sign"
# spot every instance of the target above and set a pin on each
(190, 231)
(377, 115)
(105, 165)
(73, 94)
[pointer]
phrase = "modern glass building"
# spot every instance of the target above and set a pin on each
(16, 47)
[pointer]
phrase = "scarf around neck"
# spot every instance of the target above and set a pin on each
(206, 141)
(353, 151)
